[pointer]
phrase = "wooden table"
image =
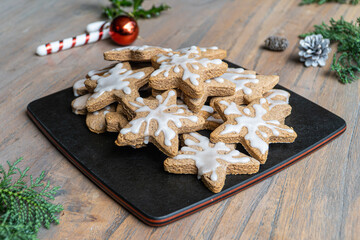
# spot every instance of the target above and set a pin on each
(317, 198)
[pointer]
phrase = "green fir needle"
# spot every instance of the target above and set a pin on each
(305, 2)
(133, 8)
(25, 206)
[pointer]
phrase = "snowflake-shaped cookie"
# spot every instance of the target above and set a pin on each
(117, 82)
(279, 103)
(134, 53)
(210, 161)
(158, 121)
(212, 87)
(254, 126)
(249, 86)
(186, 70)
(206, 52)
(96, 120)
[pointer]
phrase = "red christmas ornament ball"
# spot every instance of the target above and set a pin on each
(124, 30)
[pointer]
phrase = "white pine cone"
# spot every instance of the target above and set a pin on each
(314, 50)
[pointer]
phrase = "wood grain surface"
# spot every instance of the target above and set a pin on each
(317, 198)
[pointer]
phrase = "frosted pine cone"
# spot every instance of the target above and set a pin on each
(314, 50)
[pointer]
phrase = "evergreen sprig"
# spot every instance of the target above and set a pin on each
(346, 62)
(24, 207)
(305, 2)
(120, 7)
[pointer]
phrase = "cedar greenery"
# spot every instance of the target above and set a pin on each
(346, 61)
(305, 2)
(24, 207)
(118, 7)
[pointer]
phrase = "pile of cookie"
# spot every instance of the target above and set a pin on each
(153, 94)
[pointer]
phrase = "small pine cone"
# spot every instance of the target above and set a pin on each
(314, 50)
(276, 43)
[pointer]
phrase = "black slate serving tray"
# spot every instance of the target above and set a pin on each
(135, 177)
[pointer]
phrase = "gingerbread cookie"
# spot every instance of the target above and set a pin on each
(254, 126)
(207, 52)
(134, 53)
(249, 86)
(117, 83)
(92, 75)
(210, 161)
(219, 87)
(116, 120)
(102, 71)
(276, 98)
(78, 105)
(212, 118)
(279, 102)
(96, 120)
(186, 71)
(79, 88)
(213, 121)
(179, 93)
(158, 120)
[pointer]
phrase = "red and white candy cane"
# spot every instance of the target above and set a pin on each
(96, 32)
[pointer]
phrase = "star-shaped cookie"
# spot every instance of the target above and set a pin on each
(158, 120)
(134, 53)
(210, 161)
(254, 126)
(117, 82)
(186, 70)
(249, 86)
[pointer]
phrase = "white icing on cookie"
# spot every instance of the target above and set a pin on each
(277, 92)
(173, 62)
(252, 124)
(77, 85)
(107, 110)
(247, 111)
(216, 120)
(206, 48)
(94, 72)
(117, 78)
(218, 79)
(236, 76)
(206, 158)
(161, 115)
(140, 48)
(231, 109)
(194, 49)
(80, 103)
(207, 108)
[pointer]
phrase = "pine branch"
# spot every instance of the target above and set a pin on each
(24, 208)
(10, 231)
(346, 63)
(121, 7)
(306, 2)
